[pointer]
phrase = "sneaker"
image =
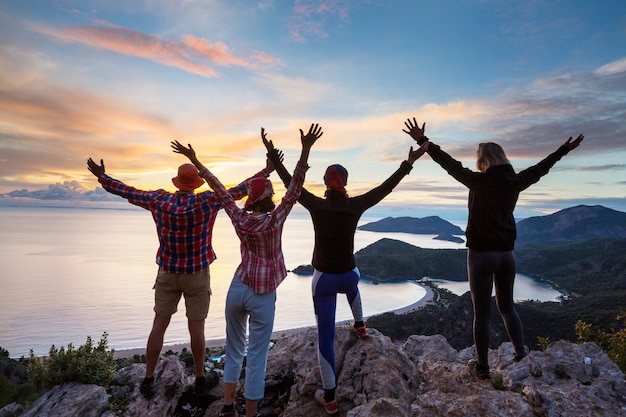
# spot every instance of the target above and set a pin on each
(231, 413)
(147, 388)
(361, 332)
(331, 407)
(478, 371)
(518, 358)
(205, 383)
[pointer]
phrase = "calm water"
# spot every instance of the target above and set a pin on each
(69, 273)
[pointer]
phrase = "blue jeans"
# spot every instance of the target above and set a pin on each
(243, 305)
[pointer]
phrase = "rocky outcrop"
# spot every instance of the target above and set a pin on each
(427, 377)
(376, 377)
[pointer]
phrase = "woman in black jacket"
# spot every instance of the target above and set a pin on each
(335, 217)
(491, 233)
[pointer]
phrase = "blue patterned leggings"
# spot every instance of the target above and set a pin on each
(325, 288)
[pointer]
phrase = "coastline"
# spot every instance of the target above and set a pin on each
(216, 343)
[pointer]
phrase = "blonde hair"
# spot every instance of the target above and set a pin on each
(490, 155)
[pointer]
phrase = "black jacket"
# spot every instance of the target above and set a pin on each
(492, 197)
(335, 218)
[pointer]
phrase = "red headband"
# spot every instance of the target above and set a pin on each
(258, 189)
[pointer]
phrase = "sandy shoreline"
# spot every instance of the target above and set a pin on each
(215, 343)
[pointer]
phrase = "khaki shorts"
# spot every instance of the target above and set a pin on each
(196, 288)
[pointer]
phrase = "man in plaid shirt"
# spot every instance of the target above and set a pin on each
(184, 222)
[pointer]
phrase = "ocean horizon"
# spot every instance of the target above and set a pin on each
(76, 272)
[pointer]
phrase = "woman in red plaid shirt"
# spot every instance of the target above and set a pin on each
(252, 293)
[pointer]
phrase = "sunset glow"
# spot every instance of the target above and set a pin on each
(120, 80)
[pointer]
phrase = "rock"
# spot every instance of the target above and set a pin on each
(11, 410)
(70, 400)
(367, 369)
(424, 376)
(171, 381)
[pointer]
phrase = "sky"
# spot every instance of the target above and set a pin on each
(118, 80)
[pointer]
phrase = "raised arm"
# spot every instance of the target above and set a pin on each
(570, 144)
(452, 166)
(211, 179)
(315, 132)
(414, 155)
(189, 152)
(294, 189)
(272, 156)
(531, 175)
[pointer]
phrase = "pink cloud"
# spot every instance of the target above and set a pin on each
(189, 54)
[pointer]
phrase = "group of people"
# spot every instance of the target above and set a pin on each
(184, 222)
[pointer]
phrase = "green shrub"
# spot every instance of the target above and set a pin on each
(24, 394)
(613, 342)
(497, 381)
(543, 342)
(7, 391)
(86, 365)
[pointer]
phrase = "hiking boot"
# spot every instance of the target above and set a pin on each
(331, 407)
(204, 383)
(361, 332)
(147, 388)
(477, 370)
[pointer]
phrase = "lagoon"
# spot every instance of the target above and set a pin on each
(73, 272)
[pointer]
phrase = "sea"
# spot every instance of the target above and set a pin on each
(69, 273)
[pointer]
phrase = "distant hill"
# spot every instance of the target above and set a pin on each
(389, 259)
(568, 266)
(572, 225)
(432, 225)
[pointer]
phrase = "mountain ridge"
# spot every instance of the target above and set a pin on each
(571, 225)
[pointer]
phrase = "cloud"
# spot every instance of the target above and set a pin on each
(68, 190)
(616, 67)
(608, 167)
(310, 17)
(190, 53)
(531, 121)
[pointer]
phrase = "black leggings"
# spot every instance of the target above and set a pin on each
(484, 269)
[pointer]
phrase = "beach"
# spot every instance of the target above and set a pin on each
(217, 343)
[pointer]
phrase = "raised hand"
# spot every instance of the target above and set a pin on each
(268, 143)
(573, 144)
(189, 152)
(414, 155)
(94, 168)
(315, 132)
(415, 131)
(269, 166)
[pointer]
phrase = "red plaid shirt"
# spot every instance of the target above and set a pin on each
(184, 222)
(262, 264)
